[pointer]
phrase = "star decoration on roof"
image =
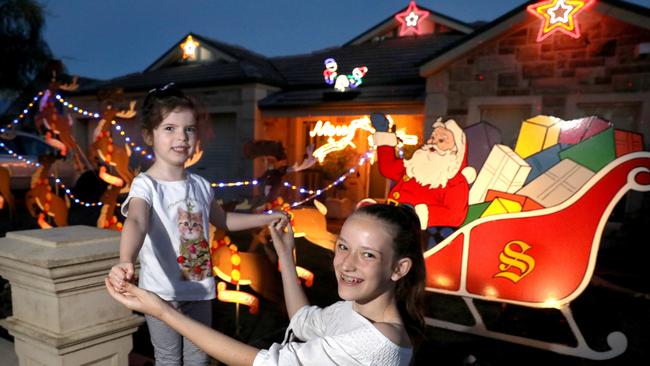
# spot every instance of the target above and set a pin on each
(558, 16)
(411, 20)
(189, 48)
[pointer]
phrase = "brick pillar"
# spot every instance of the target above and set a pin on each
(62, 314)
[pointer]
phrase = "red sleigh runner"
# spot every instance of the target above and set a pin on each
(510, 258)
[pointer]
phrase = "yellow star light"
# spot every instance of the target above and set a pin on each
(558, 16)
(189, 48)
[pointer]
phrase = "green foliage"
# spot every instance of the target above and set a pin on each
(24, 52)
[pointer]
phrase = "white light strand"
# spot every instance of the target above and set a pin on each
(24, 114)
(142, 151)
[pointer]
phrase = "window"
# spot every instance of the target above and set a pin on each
(505, 113)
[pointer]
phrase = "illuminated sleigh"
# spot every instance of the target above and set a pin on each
(539, 259)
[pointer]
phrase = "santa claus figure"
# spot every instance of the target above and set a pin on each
(435, 180)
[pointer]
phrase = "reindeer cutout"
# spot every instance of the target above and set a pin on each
(56, 128)
(6, 197)
(105, 151)
(41, 202)
(107, 218)
(311, 224)
(510, 258)
(275, 163)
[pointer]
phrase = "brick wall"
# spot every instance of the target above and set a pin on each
(603, 60)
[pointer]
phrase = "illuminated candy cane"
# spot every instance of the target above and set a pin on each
(110, 179)
(42, 222)
(305, 275)
(238, 297)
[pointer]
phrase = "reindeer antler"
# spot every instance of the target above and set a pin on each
(126, 114)
(72, 86)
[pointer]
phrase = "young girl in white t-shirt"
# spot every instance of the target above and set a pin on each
(380, 274)
(168, 212)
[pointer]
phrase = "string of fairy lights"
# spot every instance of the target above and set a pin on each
(146, 154)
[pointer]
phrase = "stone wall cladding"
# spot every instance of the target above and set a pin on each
(602, 60)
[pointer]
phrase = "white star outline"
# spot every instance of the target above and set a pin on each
(412, 19)
(553, 12)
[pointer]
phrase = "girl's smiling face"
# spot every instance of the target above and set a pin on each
(175, 138)
(364, 261)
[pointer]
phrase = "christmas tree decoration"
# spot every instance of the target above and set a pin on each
(189, 48)
(558, 16)
(411, 20)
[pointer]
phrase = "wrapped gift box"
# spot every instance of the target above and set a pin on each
(526, 203)
(593, 153)
(627, 142)
(537, 134)
(475, 211)
(503, 171)
(501, 206)
(542, 161)
(481, 137)
(557, 184)
(574, 131)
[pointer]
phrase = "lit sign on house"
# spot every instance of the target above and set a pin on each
(343, 82)
(347, 133)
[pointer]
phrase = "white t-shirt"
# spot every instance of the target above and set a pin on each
(335, 335)
(175, 256)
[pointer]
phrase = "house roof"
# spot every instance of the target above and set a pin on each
(392, 62)
(234, 66)
(628, 12)
(370, 95)
(391, 23)
(392, 67)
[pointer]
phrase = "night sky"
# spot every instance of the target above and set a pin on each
(106, 39)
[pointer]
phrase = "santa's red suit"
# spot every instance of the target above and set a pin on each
(443, 205)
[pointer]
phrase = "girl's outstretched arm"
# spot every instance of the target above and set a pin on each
(216, 344)
(233, 221)
(283, 242)
(131, 240)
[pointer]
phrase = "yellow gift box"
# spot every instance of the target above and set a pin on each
(537, 134)
(500, 206)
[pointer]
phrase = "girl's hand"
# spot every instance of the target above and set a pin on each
(282, 241)
(282, 217)
(120, 274)
(138, 299)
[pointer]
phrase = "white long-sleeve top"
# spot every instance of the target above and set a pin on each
(335, 335)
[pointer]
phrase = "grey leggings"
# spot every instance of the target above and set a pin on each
(171, 348)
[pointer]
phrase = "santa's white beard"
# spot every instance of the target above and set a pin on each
(431, 168)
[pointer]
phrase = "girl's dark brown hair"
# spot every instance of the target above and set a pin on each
(159, 102)
(404, 224)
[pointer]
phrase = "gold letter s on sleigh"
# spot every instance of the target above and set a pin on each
(511, 257)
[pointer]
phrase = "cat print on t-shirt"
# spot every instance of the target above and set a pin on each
(194, 258)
